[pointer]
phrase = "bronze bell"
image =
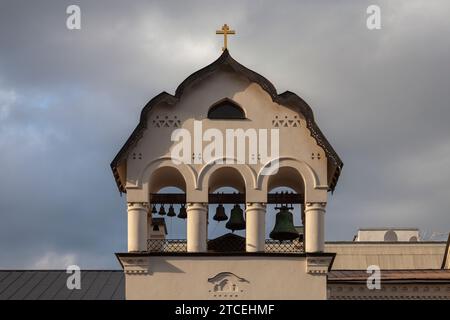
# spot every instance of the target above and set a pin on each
(236, 221)
(183, 213)
(154, 209)
(162, 211)
(171, 212)
(284, 226)
(220, 213)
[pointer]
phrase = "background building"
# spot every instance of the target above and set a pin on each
(388, 234)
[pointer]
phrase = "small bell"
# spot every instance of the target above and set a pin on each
(154, 209)
(220, 213)
(162, 211)
(171, 212)
(183, 213)
(284, 226)
(236, 221)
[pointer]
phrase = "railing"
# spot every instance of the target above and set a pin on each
(166, 245)
(294, 246)
(180, 245)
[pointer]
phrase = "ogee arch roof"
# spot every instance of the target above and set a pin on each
(225, 61)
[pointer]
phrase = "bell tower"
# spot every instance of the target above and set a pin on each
(190, 142)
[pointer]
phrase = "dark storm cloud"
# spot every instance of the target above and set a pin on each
(69, 99)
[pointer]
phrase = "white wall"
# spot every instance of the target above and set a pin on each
(379, 234)
(255, 277)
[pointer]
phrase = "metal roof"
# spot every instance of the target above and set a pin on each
(409, 276)
(51, 285)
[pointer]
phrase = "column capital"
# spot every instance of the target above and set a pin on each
(255, 206)
(315, 206)
(197, 205)
(137, 205)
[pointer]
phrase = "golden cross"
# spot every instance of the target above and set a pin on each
(225, 31)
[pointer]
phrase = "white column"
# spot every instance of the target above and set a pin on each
(255, 234)
(137, 226)
(196, 227)
(314, 227)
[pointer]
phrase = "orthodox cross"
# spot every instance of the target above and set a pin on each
(225, 31)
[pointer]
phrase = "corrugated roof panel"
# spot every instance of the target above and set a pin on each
(59, 283)
(112, 286)
(64, 293)
(119, 293)
(97, 286)
(392, 275)
(45, 283)
(31, 283)
(87, 280)
(4, 274)
(16, 285)
(10, 284)
(51, 285)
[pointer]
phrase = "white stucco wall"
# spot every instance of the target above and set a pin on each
(380, 234)
(255, 277)
(296, 143)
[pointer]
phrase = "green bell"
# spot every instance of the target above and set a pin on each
(284, 226)
(182, 214)
(220, 213)
(236, 221)
(162, 211)
(171, 212)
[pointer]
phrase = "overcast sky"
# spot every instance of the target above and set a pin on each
(70, 98)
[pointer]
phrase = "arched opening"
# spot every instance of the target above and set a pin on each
(226, 109)
(166, 177)
(286, 177)
(390, 236)
(167, 188)
(226, 177)
(226, 187)
(288, 190)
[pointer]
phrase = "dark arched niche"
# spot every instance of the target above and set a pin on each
(226, 109)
